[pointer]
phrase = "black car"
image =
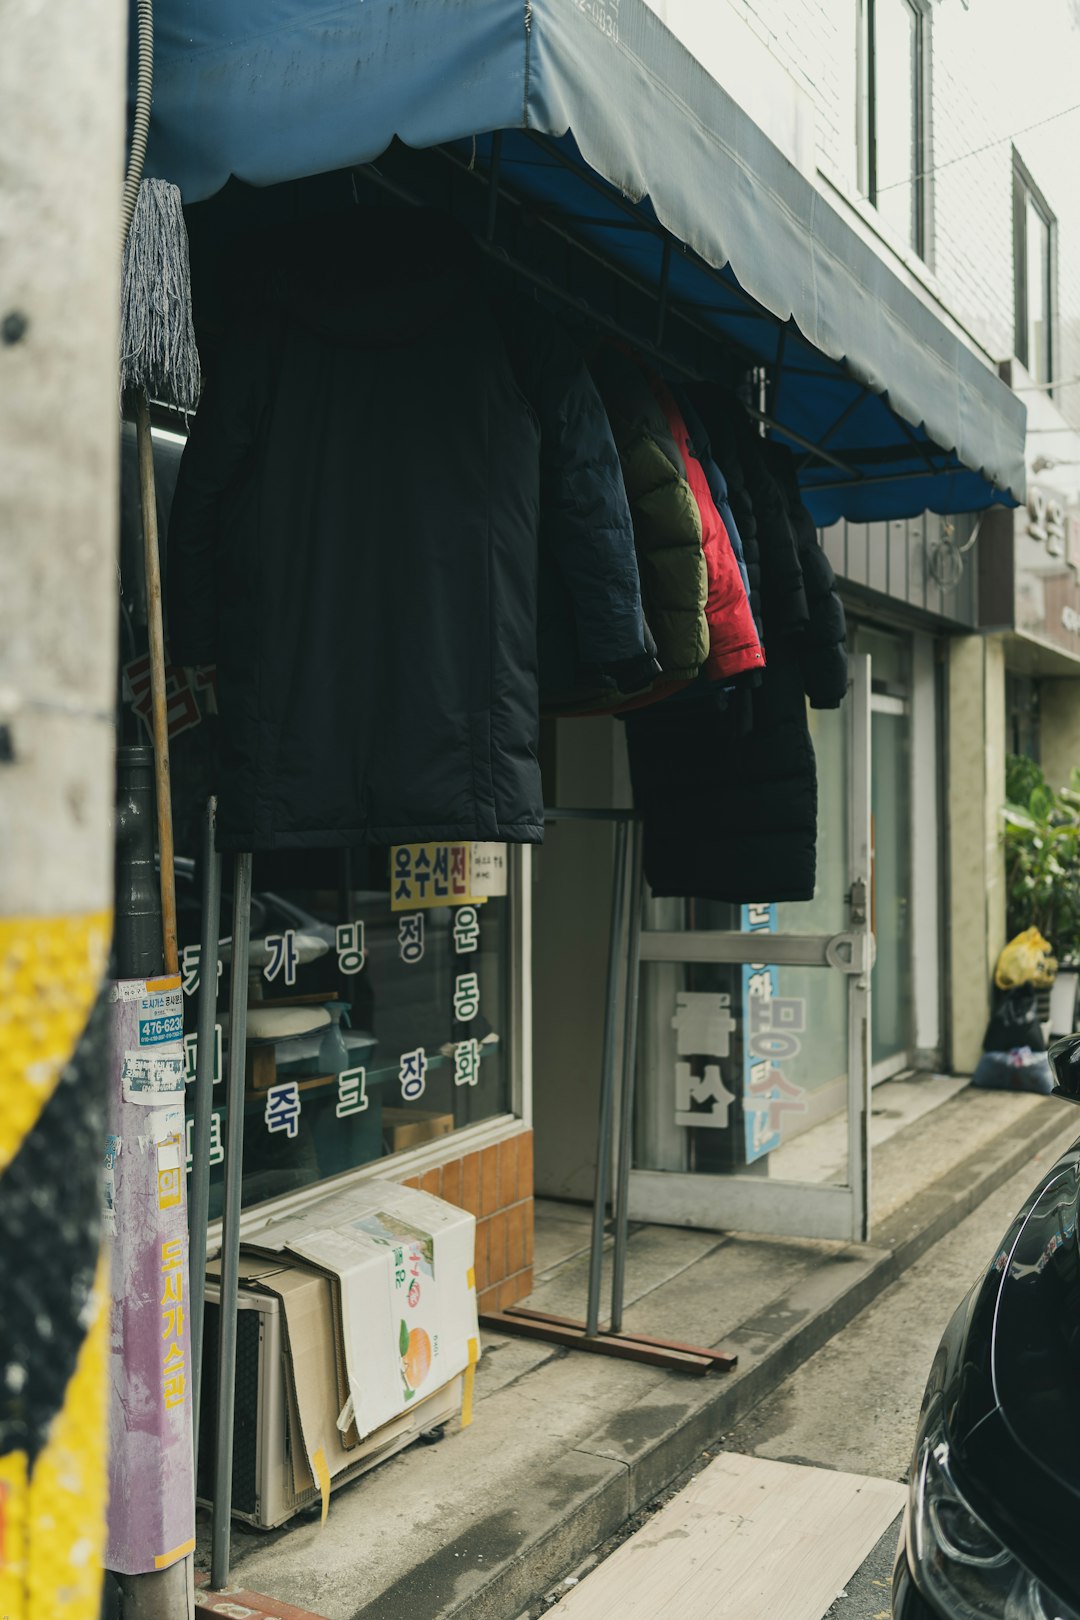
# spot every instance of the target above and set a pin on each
(992, 1526)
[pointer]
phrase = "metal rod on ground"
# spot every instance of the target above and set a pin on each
(160, 723)
(629, 1077)
(607, 1083)
(206, 1051)
(230, 1223)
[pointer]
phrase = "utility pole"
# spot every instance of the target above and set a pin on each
(62, 99)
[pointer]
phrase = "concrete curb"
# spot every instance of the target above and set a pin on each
(650, 1445)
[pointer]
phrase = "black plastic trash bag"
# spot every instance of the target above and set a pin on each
(1015, 1022)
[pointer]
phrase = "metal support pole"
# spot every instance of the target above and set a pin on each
(629, 1076)
(230, 1223)
(199, 1205)
(607, 1083)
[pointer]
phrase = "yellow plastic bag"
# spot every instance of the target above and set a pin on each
(1026, 960)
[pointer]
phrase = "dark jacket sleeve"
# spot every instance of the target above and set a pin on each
(222, 436)
(586, 525)
(822, 647)
(781, 573)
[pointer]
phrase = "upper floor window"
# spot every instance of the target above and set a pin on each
(1034, 230)
(894, 122)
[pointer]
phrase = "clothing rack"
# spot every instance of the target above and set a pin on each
(614, 1147)
(233, 1171)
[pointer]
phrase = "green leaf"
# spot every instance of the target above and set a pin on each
(1041, 803)
(403, 1339)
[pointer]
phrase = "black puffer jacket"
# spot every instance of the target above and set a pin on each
(730, 812)
(592, 638)
(823, 646)
(353, 541)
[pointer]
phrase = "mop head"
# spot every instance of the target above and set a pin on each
(157, 338)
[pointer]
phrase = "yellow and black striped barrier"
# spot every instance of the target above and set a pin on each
(53, 1288)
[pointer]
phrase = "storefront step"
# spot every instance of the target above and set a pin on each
(564, 1447)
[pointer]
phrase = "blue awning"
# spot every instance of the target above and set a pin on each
(608, 121)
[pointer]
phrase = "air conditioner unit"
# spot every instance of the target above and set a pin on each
(263, 1493)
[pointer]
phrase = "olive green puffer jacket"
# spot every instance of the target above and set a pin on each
(667, 521)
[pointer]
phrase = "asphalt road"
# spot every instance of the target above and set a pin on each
(855, 1404)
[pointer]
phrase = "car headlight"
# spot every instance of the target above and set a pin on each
(959, 1562)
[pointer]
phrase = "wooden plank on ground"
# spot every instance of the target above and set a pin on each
(748, 1539)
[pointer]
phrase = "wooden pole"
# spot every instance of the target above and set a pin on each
(159, 715)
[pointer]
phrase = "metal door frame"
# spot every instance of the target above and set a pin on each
(753, 1203)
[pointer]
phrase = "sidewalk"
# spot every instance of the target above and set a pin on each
(565, 1446)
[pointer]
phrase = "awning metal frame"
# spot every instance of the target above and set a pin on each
(498, 192)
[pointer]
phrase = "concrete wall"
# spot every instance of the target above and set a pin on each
(975, 791)
(1059, 727)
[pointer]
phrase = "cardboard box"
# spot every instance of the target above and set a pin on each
(410, 1127)
(402, 1293)
(288, 1402)
(309, 1364)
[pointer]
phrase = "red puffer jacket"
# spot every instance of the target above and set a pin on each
(734, 647)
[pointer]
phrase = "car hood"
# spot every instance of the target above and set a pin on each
(1012, 1383)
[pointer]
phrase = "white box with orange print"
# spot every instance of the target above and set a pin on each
(401, 1265)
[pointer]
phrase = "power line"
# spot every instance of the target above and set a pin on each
(1000, 140)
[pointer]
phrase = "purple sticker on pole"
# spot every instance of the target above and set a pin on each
(151, 1485)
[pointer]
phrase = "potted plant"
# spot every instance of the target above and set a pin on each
(1042, 873)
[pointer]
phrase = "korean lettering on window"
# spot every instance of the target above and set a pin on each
(467, 1062)
(411, 1072)
(283, 957)
(282, 1112)
(466, 997)
(466, 930)
(190, 969)
(772, 1030)
(411, 937)
(191, 1056)
(352, 1095)
(703, 1027)
(182, 710)
(349, 940)
(217, 1146)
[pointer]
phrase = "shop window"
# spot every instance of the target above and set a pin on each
(1034, 232)
(894, 123)
(374, 1026)
(379, 991)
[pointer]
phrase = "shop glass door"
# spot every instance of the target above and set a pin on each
(752, 1096)
(891, 849)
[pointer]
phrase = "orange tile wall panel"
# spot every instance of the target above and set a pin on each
(496, 1186)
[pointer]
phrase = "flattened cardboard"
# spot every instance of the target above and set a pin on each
(400, 1267)
(311, 1372)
